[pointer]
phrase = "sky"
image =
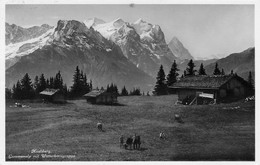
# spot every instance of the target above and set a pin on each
(205, 30)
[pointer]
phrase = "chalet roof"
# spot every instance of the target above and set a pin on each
(203, 82)
(49, 91)
(94, 93)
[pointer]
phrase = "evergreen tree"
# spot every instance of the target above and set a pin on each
(135, 92)
(147, 94)
(222, 72)
(80, 85)
(51, 82)
(14, 94)
(110, 88)
(81, 80)
(90, 85)
(250, 80)
(184, 73)
(232, 72)
(107, 89)
(36, 85)
(42, 82)
(202, 70)
(161, 86)
(190, 69)
(8, 93)
(47, 83)
(116, 90)
(65, 90)
(26, 87)
(124, 92)
(58, 81)
(17, 91)
(216, 70)
(85, 84)
(172, 76)
(76, 87)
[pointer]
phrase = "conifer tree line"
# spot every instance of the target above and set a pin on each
(163, 81)
(112, 88)
(133, 92)
(26, 89)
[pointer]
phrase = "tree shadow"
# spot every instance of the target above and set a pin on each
(115, 104)
(142, 149)
(139, 149)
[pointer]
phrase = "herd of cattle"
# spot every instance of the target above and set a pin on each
(134, 142)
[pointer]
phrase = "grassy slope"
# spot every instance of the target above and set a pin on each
(213, 132)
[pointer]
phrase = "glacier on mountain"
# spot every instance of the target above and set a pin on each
(27, 47)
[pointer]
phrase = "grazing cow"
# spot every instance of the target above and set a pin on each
(99, 126)
(129, 142)
(178, 118)
(162, 135)
(136, 142)
(121, 141)
(18, 104)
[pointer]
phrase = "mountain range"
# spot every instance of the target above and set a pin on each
(15, 34)
(124, 53)
(142, 43)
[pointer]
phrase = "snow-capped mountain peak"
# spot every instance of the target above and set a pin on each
(117, 23)
(148, 32)
(141, 26)
(140, 20)
(109, 28)
(28, 46)
(91, 22)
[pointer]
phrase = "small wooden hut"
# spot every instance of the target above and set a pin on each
(53, 95)
(100, 97)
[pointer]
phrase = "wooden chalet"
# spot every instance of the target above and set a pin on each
(100, 97)
(205, 89)
(52, 95)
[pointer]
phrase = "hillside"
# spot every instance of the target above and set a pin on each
(241, 63)
(183, 64)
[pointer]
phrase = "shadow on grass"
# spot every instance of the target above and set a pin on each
(140, 149)
(113, 104)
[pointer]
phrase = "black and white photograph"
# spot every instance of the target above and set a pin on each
(129, 81)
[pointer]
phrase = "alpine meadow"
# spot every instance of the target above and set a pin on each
(139, 82)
